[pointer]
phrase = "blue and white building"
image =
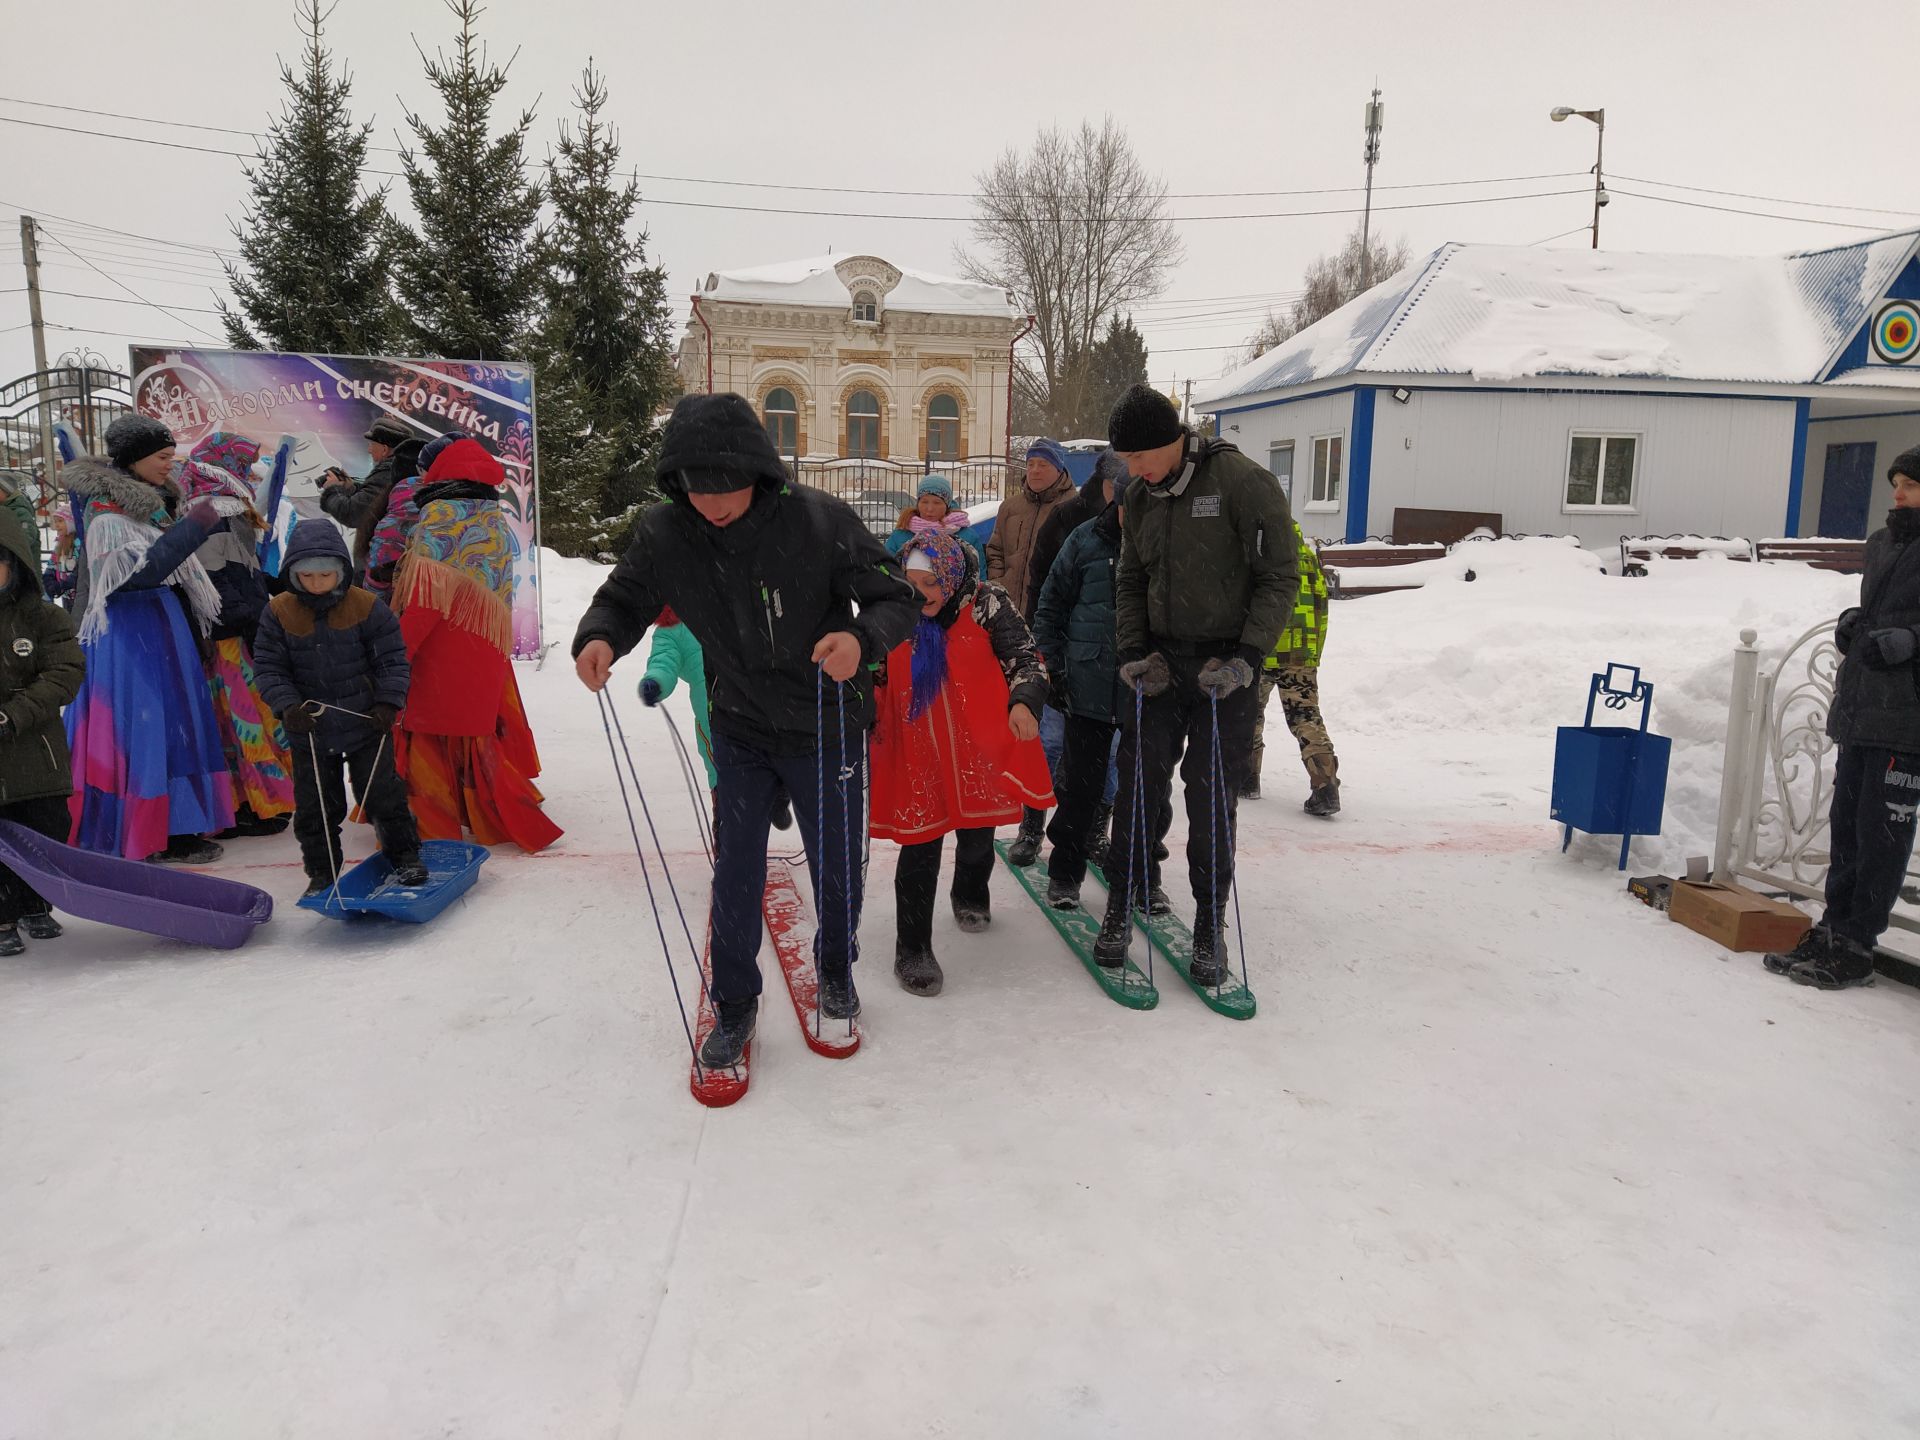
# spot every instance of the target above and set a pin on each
(1597, 393)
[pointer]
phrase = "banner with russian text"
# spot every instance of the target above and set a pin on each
(326, 403)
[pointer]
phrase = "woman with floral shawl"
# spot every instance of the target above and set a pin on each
(219, 470)
(150, 778)
(463, 742)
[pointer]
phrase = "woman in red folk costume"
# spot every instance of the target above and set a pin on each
(955, 744)
(463, 743)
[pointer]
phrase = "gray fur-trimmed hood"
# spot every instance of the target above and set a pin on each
(92, 478)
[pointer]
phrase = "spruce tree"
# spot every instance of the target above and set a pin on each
(1118, 359)
(605, 341)
(466, 273)
(316, 249)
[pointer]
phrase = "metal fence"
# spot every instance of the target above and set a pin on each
(878, 490)
(87, 397)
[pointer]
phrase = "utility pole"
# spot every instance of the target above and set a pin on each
(1599, 182)
(30, 257)
(1376, 117)
(1187, 414)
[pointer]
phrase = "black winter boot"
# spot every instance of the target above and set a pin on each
(972, 916)
(187, 850)
(42, 927)
(1846, 964)
(410, 874)
(1325, 801)
(782, 811)
(10, 941)
(1157, 902)
(1250, 787)
(838, 999)
(1026, 845)
(916, 970)
(1209, 966)
(732, 1028)
(1116, 933)
(1814, 947)
(1099, 836)
(1062, 894)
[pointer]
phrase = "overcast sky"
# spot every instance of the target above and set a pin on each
(1773, 98)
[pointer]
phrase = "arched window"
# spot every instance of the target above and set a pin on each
(943, 428)
(782, 419)
(863, 426)
(865, 306)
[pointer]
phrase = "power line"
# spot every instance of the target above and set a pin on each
(127, 234)
(126, 287)
(1770, 199)
(122, 300)
(1763, 214)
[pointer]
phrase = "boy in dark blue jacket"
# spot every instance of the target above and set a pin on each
(333, 667)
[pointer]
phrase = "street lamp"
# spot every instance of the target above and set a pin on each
(1600, 196)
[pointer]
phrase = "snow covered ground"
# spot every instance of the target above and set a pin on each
(1503, 1154)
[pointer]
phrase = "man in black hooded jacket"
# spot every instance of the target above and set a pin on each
(766, 575)
(1875, 721)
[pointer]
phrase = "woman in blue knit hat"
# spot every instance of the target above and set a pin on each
(933, 506)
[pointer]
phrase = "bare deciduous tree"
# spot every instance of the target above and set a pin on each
(1078, 230)
(1331, 281)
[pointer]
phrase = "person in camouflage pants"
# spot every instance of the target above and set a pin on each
(1294, 670)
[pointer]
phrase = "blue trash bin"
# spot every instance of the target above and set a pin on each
(1612, 779)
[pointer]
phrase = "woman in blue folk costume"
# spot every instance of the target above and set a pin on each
(150, 774)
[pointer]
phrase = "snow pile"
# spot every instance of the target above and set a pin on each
(816, 281)
(1700, 547)
(1540, 558)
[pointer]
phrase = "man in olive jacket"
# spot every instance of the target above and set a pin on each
(41, 666)
(1875, 721)
(1207, 579)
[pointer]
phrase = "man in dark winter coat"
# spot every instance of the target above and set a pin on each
(41, 666)
(1207, 579)
(1875, 721)
(766, 575)
(333, 667)
(360, 504)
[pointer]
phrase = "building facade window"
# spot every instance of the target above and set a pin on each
(1280, 463)
(863, 426)
(866, 306)
(782, 417)
(1325, 491)
(1602, 471)
(943, 428)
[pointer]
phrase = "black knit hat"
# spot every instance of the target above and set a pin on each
(132, 438)
(1906, 463)
(1144, 419)
(715, 444)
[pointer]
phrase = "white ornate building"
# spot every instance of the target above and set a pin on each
(853, 357)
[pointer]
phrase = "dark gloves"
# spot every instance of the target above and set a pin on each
(1887, 649)
(1220, 678)
(383, 715)
(1846, 628)
(1149, 676)
(649, 691)
(299, 720)
(202, 513)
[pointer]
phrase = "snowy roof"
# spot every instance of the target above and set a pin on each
(824, 281)
(1499, 312)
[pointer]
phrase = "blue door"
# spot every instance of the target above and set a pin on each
(1846, 492)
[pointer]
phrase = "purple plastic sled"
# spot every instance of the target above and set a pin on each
(135, 895)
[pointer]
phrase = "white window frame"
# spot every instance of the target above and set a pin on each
(1331, 506)
(1632, 507)
(1293, 464)
(870, 300)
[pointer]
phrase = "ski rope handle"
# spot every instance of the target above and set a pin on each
(818, 867)
(359, 811)
(1142, 852)
(609, 721)
(1223, 812)
(846, 835)
(326, 827)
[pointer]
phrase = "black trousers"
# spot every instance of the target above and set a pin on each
(750, 780)
(1872, 827)
(916, 881)
(320, 804)
(1078, 784)
(1175, 724)
(51, 818)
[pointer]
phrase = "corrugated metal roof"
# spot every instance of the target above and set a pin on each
(1496, 312)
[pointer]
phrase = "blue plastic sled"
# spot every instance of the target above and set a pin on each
(369, 888)
(199, 909)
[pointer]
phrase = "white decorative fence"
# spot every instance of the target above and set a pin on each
(1777, 783)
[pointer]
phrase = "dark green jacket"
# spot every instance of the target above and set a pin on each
(1207, 560)
(41, 667)
(1073, 622)
(1306, 632)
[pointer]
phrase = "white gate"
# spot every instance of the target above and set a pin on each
(1777, 783)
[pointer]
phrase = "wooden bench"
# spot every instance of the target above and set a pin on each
(1381, 555)
(1848, 557)
(1637, 550)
